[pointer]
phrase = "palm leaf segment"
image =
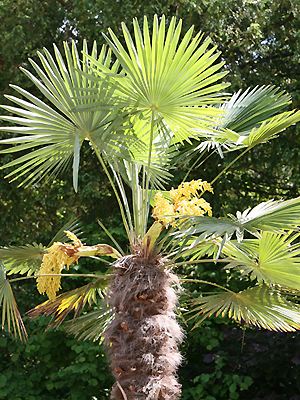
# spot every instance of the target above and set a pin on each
(91, 325)
(72, 301)
(273, 216)
(27, 259)
(175, 80)
(273, 259)
(254, 116)
(53, 133)
(11, 317)
(166, 84)
(258, 306)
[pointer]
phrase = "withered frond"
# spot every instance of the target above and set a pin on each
(71, 301)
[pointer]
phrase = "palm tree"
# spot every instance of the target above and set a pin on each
(144, 103)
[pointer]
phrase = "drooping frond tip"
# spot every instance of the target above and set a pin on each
(11, 317)
(72, 301)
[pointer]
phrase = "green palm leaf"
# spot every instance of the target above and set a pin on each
(27, 259)
(250, 118)
(258, 306)
(23, 260)
(73, 225)
(162, 154)
(92, 325)
(247, 110)
(52, 135)
(273, 258)
(272, 216)
(11, 317)
(173, 79)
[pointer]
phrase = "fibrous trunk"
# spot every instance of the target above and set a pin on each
(142, 340)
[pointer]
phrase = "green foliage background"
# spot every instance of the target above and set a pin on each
(260, 41)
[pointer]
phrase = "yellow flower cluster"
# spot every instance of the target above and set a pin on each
(58, 257)
(180, 202)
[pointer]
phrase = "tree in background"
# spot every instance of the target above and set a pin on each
(136, 113)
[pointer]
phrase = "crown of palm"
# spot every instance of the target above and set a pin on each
(163, 89)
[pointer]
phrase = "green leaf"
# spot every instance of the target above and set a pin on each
(271, 216)
(76, 158)
(247, 110)
(27, 259)
(22, 259)
(91, 325)
(258, 306)
(269, 129)
(249, 118)
(11, 317)
(273, 258)
(51, 135)
(73, 225)
(175, 79)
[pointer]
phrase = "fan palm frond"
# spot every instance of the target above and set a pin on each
(258, 306)
(91, 325)
(72, 225)
(252, 117)
(27, 259)
(273, 258)
(269, 129)
(71, 301)
(11, 317)
(247, 110)
(53, 135)
(271, 216)
(176, 80)
(22, 259)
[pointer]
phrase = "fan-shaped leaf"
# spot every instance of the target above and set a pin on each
(175, 79)
(250, 118)
(73, 226)
(22, 259)
(247, 110)
(11, 317)
(52, 135)
(271, 216)
(273, 258)
(258, 306)
(92, 325)
(72, 301)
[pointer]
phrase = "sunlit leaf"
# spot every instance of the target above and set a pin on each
(273, 258)
(72, 301)
(271, 216)
(51, 135)
(22, 259)
(259, 306)
(173, 77)
(247, 110)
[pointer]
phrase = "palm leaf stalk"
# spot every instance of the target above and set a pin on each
(138, 111)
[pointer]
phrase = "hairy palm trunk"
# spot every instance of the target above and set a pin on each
(142, 341)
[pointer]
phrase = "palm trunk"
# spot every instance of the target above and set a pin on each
(142, 341)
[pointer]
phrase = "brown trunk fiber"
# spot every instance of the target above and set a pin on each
(142, 340)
